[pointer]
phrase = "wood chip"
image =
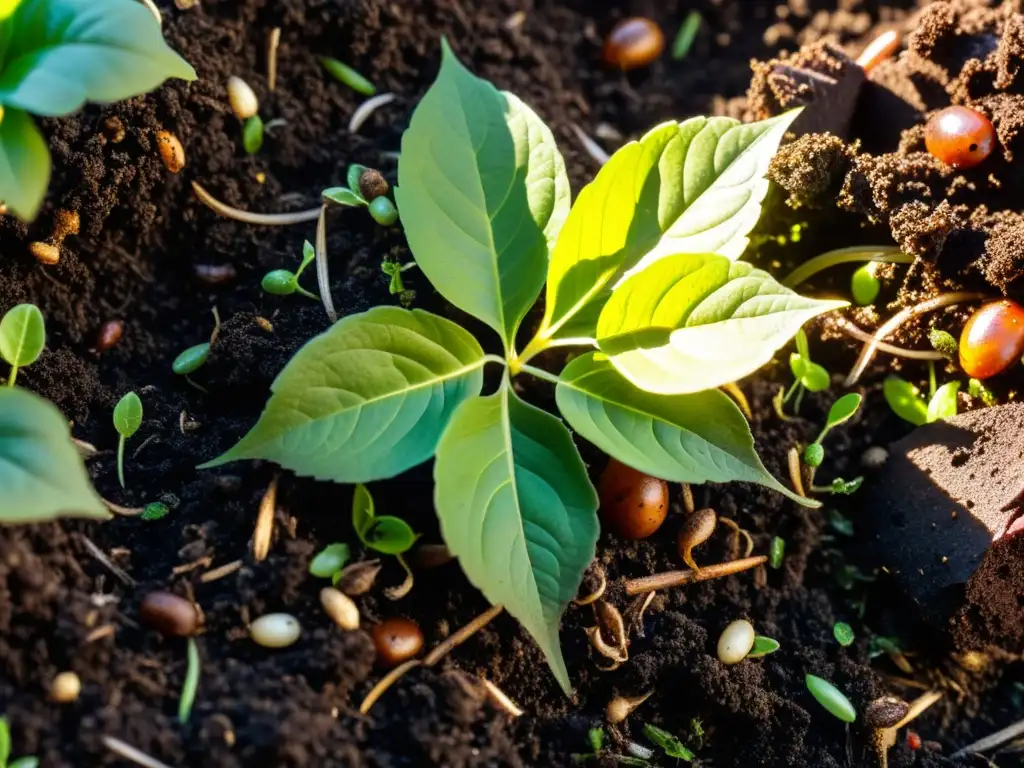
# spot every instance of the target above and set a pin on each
(221, 572)
(265, 522)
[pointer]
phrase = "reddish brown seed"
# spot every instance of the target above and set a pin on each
(169, 614)
(396, 640)
(697, 528)
(109, 335)
(215, 274)
(913, 740)
(993, 339)
(171, 151)
(959, 136)
(633, 43)
(633, 505)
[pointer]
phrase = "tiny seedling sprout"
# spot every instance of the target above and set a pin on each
(865, 285)
(762, 647)
(188, 690)
(5, 750)
(252, 135)
(194, 358)
(343, 73)
(595, 736)
(843, 633)
(394, 270)
(808, 376)
(842, 410)
(380, 206)
(22, 337)
(831, 698)
(778, 551)
(155, 510)
(127, 420)
(329, 561)
(383, 533)
(686, 35)
(669, 744)
(907, 402)
(281, 282)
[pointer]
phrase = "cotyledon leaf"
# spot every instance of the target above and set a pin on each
(690, 187)
(367, 399)
(696, 438)
(24, 163)
(517, 509)
(693, 322)
(482, 193)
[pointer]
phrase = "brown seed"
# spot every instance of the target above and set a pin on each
(697, 528)
(633, 505)
(265, 324)
(215, 274)
(620, 707)
(169, 614)
(885, 712)
(109, 335)
(633, 43)
(65, 687)
(359, 578)
(171, 151)
(113, 129)
(45, 253)
(372, 184)
(396, 640)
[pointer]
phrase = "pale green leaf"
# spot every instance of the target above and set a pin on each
(943, 402)
(24, 164)
(362, 510)
(389, 535)
(482, 192)
(693, 322)
(26, 762)
(63, 53)
(843, 409)
(5, 741)
(343, 196)
(367, 399)
(128, 415)
(905, 400)
(41, 473)
(517, 509)
(690, 187)
(695, 438)
(816, 378)
(22, 335)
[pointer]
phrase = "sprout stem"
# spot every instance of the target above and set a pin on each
(323, 277)
(273, 41)
(590, 146)
(188, 690)
(13, 376)
(264, 219)
(117, 509)
(997, 739)
(500, 699)
(678, 578)
(128, 752)
(733, 389)
(120, 460)
(861, 335)
(894, 322)
(889, 254)
(366, 109)
(462, 635)
(540, 373)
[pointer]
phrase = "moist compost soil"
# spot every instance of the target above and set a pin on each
(148, 253)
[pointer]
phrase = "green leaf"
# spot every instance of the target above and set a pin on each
(482, 192)
(128, 415)
(63, 53)
(252, 135)
(802, 347)
(690, 187)
(695, 438)
(389, 535)
(22, 335)
(24, 164)
(367, 399)
(343, 196)
(816, 378)
(905, 400)
(843, 409)
(352, 176)
(843, 633)
(26, 762)
(41, 473)
(5, 741)
(362, 511)
(517, 509)
(670, 745)
(762, 647)
(694, 322)
(329, 560)
(943, 402)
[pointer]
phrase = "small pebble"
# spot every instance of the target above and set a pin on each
(215, 274)
(736, 642)
(874, 457)
(171, 152)
(340, 608)
(113, 129)
(242, 98)
(110, 333)
(275, 630)
(45, 253)
(65, 687)
(169, 614)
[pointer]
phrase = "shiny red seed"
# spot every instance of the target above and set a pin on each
(913, 740)
(993, 339)
(633, 505)
(633, 43)
(396, 640)
(959, 136)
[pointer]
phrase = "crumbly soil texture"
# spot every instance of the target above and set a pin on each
(152, 256)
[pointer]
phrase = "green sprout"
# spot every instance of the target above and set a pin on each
(944, 343)
(155, 510)
(669, 744)
(194, 358)
(394, 270)
(252, 135)
(596, 738)
(843, 633)
(5, 750)
(865, 285)
(686, 35)
(343, 73)
(778, 551)
(127, 420)
(808, 375)
(839, 486)
(906, 400)
(762, 647)
(22, 337)
(380, 207)
(831, 698)
(978, 390)
(384, 533)
(329, 561)
(188, 690)
(842, 410)
(281, 282)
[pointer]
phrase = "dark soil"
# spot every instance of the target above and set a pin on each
(145, 255)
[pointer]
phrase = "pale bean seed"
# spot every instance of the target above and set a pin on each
(275, 630)
(736, 642)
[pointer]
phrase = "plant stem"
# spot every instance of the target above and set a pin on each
(678, 578)
(188, 690)
(322, 274)
(799, 400)
(14, 376)
(120, 460)
(494, 359)
(540, 373)
(889, 254)
(307, 294)
(790, 391)
(931, 379)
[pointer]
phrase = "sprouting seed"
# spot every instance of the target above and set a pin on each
(697, 528)
(329, 561)
(843, 633)
(127, 420)
(831, 698)
(22, 337)
(192, 359)
(778, 551)
(762, 647)
(343, 73)
(281, 282)
(252, 135)
(242, 98)
(383, 211)
(358, 578)
(155, 510)
(371, 184)
(620, 707)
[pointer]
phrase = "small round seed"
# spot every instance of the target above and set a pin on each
(275, 630)
(372, 184)
(192, 359)
(396, 640)
(697, 529)
(359, 578)
(736, 642)
(65, 687)
(242, 98)
(885, 712)
(169, 614)
(45, 253)
(110, 333)
(171, 152)
(383, 211)
(340, 608)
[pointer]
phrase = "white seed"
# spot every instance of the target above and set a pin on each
(340, 608)
(874, 457)
(736, 642)
(65, 687)
(275, 630)
(242, 98)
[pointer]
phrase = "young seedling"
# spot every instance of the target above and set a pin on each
(252, 135)
(194, 358)
(343, 73)
(329, 562)
(596, 738)
(127, 420)
(831, 698)
(907, 402)
(5, 750)
(191, 685)
(842, 410)
(669, 744)
(281, 282)
(383, 533)
(394, 270)
(366, 188)
(808, 375)
(843, 633)
(762, 647)
(22, 337)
